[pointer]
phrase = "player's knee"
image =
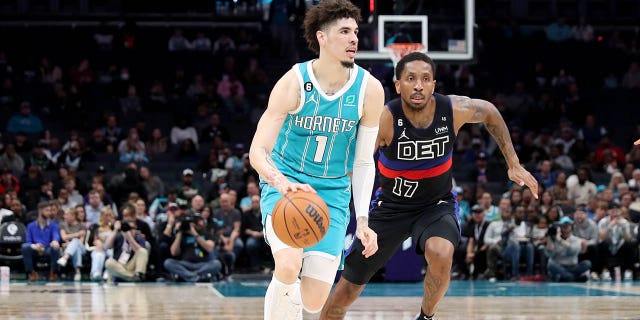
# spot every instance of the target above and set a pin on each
(438, 251)
(289, 269)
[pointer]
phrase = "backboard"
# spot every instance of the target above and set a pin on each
(446, 29)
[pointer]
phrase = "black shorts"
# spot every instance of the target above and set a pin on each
(394, 224)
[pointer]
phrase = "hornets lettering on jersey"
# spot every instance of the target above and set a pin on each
(324, 123)
(319, 137)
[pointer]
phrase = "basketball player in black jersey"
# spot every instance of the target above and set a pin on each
(415, 143)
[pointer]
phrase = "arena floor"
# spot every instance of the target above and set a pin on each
(242, 300)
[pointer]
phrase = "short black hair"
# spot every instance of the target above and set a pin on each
(413, 56)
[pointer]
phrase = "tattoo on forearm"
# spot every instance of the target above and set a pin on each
(273, 176)
(500, 133)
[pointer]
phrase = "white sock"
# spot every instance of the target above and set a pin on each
(282, 299)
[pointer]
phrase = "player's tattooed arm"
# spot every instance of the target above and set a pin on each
(273, 176)
(467, 110)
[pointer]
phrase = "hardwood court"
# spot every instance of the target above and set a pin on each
(204, 301)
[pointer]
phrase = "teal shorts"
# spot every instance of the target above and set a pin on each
(336, 193)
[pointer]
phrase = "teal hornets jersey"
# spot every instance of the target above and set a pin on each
(319, 137)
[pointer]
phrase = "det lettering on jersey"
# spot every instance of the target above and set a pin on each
(324, 124)
(422, 150)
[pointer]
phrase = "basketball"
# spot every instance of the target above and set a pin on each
(300, 219)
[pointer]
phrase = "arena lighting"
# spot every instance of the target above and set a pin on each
(372, 6)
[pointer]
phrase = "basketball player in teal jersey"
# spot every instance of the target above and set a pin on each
(415, 142)
(320, 126)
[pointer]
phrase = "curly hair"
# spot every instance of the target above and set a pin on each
(320, 16)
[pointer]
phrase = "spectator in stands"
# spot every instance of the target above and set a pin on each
(201, 43)
(606, 153)
(178, 42)
(235, 167)
(159, 206)
(197, 204)
(72, 157)
(74, 195)
(191, 250)
(157, 144)
(583, 31)
(495, 242)
(157, 99)
(584, 190)
(519, 244)
(215, 129)
(591, 132)
(559, 160)
(43, 238)
(97, 236)
(255, 78)
(545, 174)
(12, 160)
(98, 144)
(546, 202)
(246, 203)
(184, 137)
(130, 257)
(8, 181)
(558, 31)
(224, 44)
(22, 143)
(82, 75)
(232, 244)
(112, 132)
(539, 240)
(25, 121)
(476, 251)
(72, 234)
(587, 230)
(635, 179)
(153, 185)
(198, 88)
(631, 79)
(94, 207)
(131, 105)
(615, 247)
(39, 158)
(252, 233)
(53, 150)
(187, 188)
(142, 215)
(564, 248)
(132, 149)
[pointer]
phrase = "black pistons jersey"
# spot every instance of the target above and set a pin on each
(416, 167)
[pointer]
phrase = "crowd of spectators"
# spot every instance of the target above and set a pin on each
(124, 168)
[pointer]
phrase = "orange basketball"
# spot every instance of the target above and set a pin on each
(300, 219)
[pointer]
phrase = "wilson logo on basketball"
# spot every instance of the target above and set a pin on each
(313, 213)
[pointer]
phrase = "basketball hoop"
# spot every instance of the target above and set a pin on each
(399, 50)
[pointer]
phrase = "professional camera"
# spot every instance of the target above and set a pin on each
(124, 227)
(186, 221)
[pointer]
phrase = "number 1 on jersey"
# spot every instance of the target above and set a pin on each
(322, 144)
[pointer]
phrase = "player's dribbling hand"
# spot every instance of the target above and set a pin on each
(289, 186)
(637, 143)
(369, 239)
(522, 177)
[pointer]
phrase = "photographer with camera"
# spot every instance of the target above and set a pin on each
(130, 256)
(563, 249)
(191, 249)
